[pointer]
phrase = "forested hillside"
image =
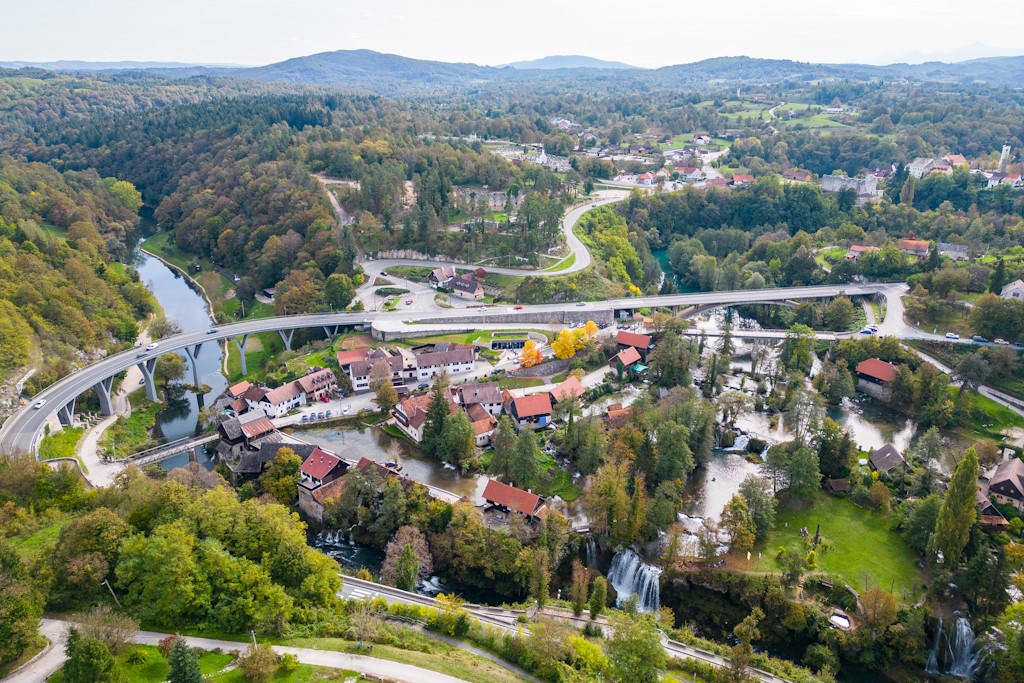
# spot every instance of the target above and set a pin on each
(61, 299)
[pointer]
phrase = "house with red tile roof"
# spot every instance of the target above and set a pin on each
(484, 430)
(740, 179)
(347, 358)
(716, 182)
(569, 389)
(876, 370)
(237, 390)
(321, 468)
(411, 413)
(530, 411)
(629, 357)
(512, 499)
(617, 417)
(641, 342)
(917, 248)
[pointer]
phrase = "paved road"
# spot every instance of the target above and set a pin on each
(56, 631)
(583, 257)
(507, 620)
(22, 430)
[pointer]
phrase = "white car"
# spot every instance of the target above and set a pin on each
(1001, 342)
(39, 404)
(952, 335)
(344, 411)
(151, 347)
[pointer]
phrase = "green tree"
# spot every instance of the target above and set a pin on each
(929, 446)
(338, 291)
(746, 632)
(957, 514)
(184, 662)
(578, 588)
(503, 450)
(907, 193)
(971, 372)
(170, 367)
(437, 417)
(879, 609)
(804, 474)
(524, 470)
(920, 523)
(839, 314)
(760, 504)
(20, 605)
(386, 398)
(406, 559)
(540, 578)
(459, 441)
(281, 478)
(634, 649)
(797, 348)
(998, 280)
(835, 450)
(737, 522)
(89, 660)
(258, 663)
(598, 597)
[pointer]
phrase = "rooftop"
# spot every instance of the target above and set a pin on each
(319, 464)
(532, 406)
(878, 369)
(640, 341)
(511, 497)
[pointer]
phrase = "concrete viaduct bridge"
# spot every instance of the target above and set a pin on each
(21, 432)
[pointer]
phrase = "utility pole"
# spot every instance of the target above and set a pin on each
(107, 584)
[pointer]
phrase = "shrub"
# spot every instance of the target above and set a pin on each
(288, 663)
(166, 645)
(136, 656)
(257, 664)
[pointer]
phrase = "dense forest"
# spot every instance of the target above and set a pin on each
(62, 297)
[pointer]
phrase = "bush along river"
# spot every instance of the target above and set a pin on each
(182, 303)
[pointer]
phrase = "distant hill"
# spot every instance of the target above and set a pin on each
(569, 62)
(75, 65)
(369, 71)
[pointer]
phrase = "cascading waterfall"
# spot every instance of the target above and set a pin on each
(933, 658)
(629, 575)
(591, 553)
(961, 649)
(960, 654)
(740, 444)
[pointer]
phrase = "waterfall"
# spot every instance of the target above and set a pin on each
(740, 444)
(631, 576)
(961, 649)
(591, 553)
(933, 658)
(764, 451)
(960, 654)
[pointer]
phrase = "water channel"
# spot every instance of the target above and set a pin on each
(182, 303)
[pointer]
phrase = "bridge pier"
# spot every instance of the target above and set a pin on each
(755, 347)
(331, 331)
(66, 414)
(287, 339)
(102, 389)
(241, 351)
(825, 301)
(193, 352)
(146, 367)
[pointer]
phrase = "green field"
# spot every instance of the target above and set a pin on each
(863, 550)
(830, 256)
(563, 264)
(519, 382)
(155, 669)
(29, 546)
(998, 418)
(131, 434)
(61, 444)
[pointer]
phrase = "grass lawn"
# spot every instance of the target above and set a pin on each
(560, 484)
(60, 444)
(302, 674)
(877, 308)
(998, 418)
(829, 257)
(131, 434)
(443, 658)
(861, 546)
(30, 546)
(414, 273)
(519, 382)
(563, 264)
(155, 669)
(259, 350)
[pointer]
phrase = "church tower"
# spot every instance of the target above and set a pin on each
(1005, 156)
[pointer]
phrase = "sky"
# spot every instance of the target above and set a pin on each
(649, 34)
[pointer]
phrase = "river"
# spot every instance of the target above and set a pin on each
(185, 305)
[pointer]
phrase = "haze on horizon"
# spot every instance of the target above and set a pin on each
(654, 34)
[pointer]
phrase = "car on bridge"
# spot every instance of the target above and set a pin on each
(39, 404)
(152, 346)
(212, 330)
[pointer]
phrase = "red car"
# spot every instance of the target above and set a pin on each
(518, 307)
(408, 302)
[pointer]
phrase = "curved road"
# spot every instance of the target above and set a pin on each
(576, 246)
(22, 430)
(53, 657)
